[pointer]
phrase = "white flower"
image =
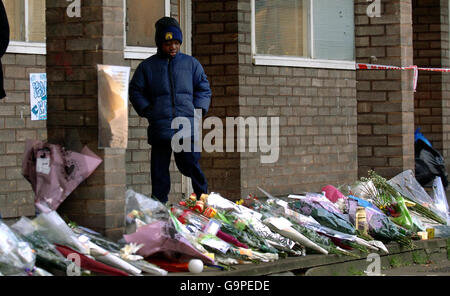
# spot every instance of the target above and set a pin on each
(128, 250)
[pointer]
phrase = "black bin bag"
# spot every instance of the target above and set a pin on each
(429, 163)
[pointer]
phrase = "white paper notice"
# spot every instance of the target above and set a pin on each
(43, 165)
(113, 106)
(38, 96)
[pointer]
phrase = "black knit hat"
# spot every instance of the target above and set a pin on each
(165, 25)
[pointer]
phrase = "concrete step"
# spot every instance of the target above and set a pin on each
(433, 250)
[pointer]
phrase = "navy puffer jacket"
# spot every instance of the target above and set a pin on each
(165, 88)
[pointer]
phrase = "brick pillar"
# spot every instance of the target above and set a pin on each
(445, 79)
(75, 45)
(385, 98)
(427, 53)
(215, 45)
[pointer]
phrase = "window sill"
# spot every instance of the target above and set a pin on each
(138, 53)
(26, 47)
(267, 60)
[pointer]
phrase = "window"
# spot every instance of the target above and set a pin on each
(286, 22)
(27, 26)
(305, 33)
(140, 19)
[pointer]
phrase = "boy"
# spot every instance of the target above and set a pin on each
(167, 85)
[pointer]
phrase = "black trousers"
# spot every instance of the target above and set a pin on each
(187, 163)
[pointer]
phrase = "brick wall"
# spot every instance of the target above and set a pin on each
(427, 53)
(215, 34)
(445, 61)
(385, 98)
(16, 126)
(316, 107)
(317, 114)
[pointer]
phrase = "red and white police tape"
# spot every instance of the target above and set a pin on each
(415, 68)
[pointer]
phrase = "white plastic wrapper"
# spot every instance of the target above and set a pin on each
(265, 232)
(218, 202)
(147, 209)
(148, 267)
(407, 185)
(57, 231)
(16, 256)
(283, 227)
(110, 259)
(362, 189)
(379, 245)
(300, 218)
(440, 199)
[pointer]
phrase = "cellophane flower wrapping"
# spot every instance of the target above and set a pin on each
(440, 199)
(57, 231)
(16, 255)
(47, 256)
(406, 184)
(161, 237)
(273, 209)
(253, 221)
(144, 208)
(333, 220)
(380, 226)
(284, 227)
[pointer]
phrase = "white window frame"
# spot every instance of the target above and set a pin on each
(292, 61)
(26, 47)
(138, 52)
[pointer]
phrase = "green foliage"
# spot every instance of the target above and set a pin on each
(355, 272)
(396, 262)
(420, 258)
(383, 194)
(448, 249)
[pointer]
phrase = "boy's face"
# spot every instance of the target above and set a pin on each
(171, 47)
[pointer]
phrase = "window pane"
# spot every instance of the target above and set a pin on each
(141, 18)
(333, 29)
(15, 10)
(36, 20)
(281, 27)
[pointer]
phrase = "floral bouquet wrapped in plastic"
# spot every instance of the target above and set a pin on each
(378, 191)
(253, 223)
(406, 184)
(47, 256)
(380, 226)
(323, 213)
(16, 255)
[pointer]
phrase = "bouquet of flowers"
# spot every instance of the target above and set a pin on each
(46, 254)
(333, 220)
(253, 221)
(16, 255)
(199, 221)
(275, 207)
(142, 210)
(378, 191)
(380, 226)
(58, 232)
